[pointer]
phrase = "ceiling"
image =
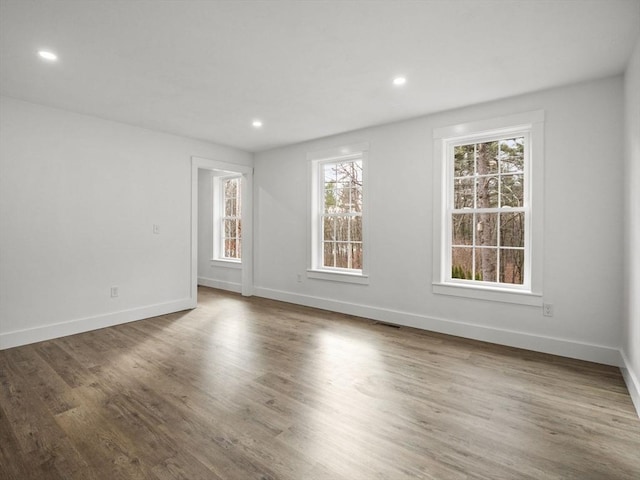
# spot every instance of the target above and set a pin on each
(307, 69)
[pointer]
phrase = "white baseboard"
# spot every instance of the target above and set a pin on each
(537, 343)
(632, 380)
(555, 346)
(221, 284)
(47, 332)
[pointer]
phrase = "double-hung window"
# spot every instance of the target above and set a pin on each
(337, 230)
(490, 185)
(228, 224)
(488, 210)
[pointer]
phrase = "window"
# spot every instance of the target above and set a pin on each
(229, 221)
(487, 236)
(340, 214)
(338, 238)
(488, 210)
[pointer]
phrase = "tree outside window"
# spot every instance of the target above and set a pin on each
(488, 214)
(340, 214)
(231, 221)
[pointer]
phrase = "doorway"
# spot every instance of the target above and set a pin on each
(210, 168)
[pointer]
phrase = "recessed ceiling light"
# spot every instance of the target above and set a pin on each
(257, 123)
(47, 55)
(399, 81)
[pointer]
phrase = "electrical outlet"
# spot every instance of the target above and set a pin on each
(547, 309)
(299, 278)
(114, 292)
(156, 229)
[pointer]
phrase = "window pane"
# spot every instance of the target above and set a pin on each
(230, 207)
(329, 198)
(512, 229)
(345, 184)
(487, 192)
(487, 229)
(342, 254)
(230, 228)
(356, 199)
(353, 198)
(230, 248)
(356, 255)
(342, 228)
(343, 171)
(463, 160)
(512, 190)
(349, 174)
(462, 263)
(463, 192)
(343, 200)
(488, 175)
(462, 229)
(329, 171)
(486, 264)
(487, 158)
(231, 188)
(356, 176)
(355, 227)
(329, 255)
(512, 266)
(512, 155)
(329, 228)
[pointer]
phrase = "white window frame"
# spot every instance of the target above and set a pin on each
(218, 218)
(530, 125)
(317, 160)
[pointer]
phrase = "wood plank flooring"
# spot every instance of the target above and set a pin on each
(256, 389)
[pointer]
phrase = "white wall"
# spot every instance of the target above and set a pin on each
(78, 200)
(79, 197)
(226, 276)
(582, 236)
(631, 345)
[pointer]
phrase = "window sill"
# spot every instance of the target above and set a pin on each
(219, 262)
(490, 294)
(344, 277)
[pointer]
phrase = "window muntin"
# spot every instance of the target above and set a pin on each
(230, 226)
(339, 214)
(488, 211)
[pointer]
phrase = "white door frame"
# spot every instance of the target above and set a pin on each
(198, 163)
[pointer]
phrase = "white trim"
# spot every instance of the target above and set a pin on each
(336, 276)
(481, 127)
(537, 343)
(81, 325)
(247, 221)
(488, 293)
(224, 263)
(632, 381)
(220, 284)
(336, 153)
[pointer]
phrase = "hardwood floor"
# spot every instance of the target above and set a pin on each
(257, 389)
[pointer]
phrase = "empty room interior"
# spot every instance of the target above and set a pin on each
(304, 240)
